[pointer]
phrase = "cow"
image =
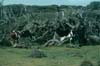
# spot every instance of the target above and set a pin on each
(16, 35)
(69, 36)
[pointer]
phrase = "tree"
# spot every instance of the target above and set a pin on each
(94, 5)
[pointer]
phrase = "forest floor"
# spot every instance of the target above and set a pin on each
(56, 56)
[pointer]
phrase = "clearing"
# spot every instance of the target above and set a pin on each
(57, 56)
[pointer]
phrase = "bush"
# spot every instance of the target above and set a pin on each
(86, 63)
(5, 42)
(98, 63)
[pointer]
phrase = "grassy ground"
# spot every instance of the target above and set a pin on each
(57, 56)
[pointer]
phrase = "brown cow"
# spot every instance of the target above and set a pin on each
(16, 35)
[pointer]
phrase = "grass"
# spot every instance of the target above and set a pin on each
(57, 56)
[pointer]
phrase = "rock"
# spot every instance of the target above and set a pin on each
(36, 53)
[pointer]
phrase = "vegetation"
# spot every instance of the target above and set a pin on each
(44, 21)
(44, 26)
(86, 63)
